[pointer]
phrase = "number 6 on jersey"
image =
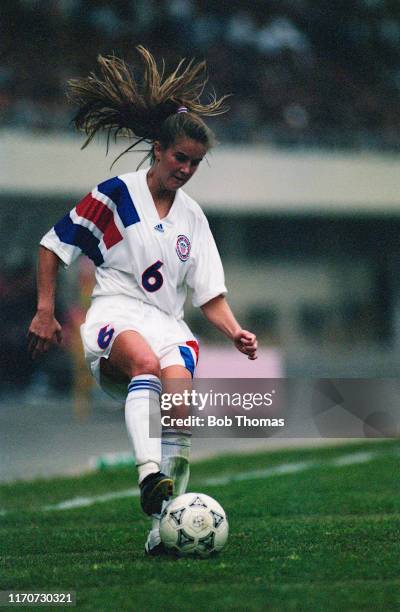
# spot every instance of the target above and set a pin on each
(152, 279)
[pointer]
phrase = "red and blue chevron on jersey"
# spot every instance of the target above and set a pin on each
(91, 225)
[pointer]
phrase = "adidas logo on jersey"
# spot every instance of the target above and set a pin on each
(159, 227)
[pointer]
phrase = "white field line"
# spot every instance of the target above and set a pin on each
(80, 502)
(352, 459)
(283, 468)
(277, 470)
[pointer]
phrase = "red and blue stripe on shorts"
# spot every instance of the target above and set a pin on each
(190, 355)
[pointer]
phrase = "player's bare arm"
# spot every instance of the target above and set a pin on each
(45, 329)
(219, 313)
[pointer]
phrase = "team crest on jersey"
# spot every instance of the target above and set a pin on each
(183, 247)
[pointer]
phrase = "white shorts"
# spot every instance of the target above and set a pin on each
(108, 316)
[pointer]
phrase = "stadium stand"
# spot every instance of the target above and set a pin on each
(306, 73)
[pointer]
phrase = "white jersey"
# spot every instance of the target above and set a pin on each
(136, 253)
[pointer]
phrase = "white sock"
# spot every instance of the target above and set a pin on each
(175, 453)
(142, 418)
(175, 448)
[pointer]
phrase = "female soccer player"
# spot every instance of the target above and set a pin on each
(150, 242)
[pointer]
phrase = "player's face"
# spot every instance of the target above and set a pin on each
(177, 164)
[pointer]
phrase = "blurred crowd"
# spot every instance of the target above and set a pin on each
(17, 305)
(302, 72)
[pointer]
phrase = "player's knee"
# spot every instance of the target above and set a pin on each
(148, 364)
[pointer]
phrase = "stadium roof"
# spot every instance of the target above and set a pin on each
(241, 178)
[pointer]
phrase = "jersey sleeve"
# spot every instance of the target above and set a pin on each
(206, 276)
(66, 252)
(77, 232)
(94, 225)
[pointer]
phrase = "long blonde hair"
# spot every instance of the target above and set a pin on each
(146, 110)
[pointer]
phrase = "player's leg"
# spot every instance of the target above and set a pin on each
(132, 360)
(176, 441)
(175, 446)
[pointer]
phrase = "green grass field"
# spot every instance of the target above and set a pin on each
(321, 534)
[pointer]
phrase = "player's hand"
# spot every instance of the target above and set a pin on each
(44, 331)
(246, 342)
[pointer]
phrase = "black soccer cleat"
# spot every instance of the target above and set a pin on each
(153, 546)
(157, 551)
(154, 489)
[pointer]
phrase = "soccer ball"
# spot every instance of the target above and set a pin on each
(194, 524)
